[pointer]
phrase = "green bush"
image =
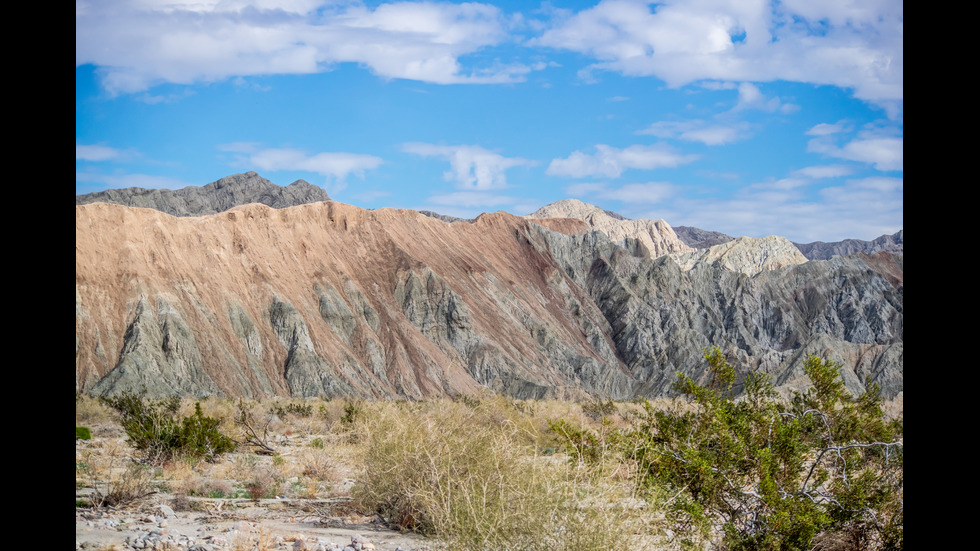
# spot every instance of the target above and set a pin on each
(774, 475)
(155, 428)
(299, 410)
(83, 433)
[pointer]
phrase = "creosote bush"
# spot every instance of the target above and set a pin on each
(155, 428)
(763, 473)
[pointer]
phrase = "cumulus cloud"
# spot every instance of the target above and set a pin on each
(138, 44)
(472, 167)
(851, 45)
(610, 162)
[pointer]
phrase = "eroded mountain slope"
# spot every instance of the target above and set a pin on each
(329, 299)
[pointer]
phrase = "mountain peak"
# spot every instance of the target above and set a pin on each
(573, 208)
(656, 236)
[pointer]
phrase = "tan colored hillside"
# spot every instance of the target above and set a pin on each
(325, 298)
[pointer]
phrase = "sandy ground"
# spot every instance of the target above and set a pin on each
(239, 524)
(234, 523)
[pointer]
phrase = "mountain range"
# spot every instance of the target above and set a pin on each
(245, 288)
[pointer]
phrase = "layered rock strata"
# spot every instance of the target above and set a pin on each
(326, 299)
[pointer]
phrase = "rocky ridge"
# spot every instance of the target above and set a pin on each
(329, 299)
(818, 250)
(654, 237)
(218, 196)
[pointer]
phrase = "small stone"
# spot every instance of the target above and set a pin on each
(166, 511)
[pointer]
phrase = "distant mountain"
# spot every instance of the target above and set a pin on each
(700, 239)
(219, 196)
(818, 250)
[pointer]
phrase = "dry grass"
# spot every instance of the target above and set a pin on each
(474, 476)
(482, 473)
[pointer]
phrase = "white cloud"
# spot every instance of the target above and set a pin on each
(335, 166)
(860, 208)
(750, 97)
(96, 153)
(697, 131)
(850, 45)
(473, 167)
(116, 181)
(824, 171)
(610, 162)
(826, 129)
(884, 152)
(137, 44)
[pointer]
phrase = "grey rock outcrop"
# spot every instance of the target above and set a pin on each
(662, 315)
(746, 255)
(160, 353)
(697, 238)
(655, 237)
(817, 250)
(218, 196)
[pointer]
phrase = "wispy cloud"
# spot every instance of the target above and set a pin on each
(698, 130)
(882, 150)
(751, 98)
(96, 153)
(610, 162)
(335, 166)
(124, 180)
(862, 208)
(472, 167)
(824, 171)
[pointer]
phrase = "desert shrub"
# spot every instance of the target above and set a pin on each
(352, 410)
(597, 409)
(292, 408)
(155, 428)
(469, 475)
(116, 480)
(774, 475)
(83, 433)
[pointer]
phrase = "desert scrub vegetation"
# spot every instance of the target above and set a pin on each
(157, 430)
(471, 473)
(820, 469)
(756, 472)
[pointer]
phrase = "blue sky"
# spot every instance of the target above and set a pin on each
(746, 117)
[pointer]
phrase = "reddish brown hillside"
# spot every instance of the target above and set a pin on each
(326, 298)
